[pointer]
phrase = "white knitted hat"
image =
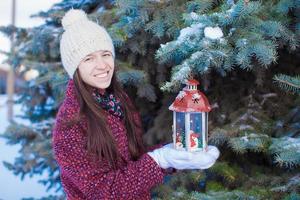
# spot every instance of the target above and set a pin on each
(81, 37)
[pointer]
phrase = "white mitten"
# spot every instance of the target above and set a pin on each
(167, 156)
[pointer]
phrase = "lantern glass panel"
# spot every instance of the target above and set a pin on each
(196, 128)
(180, 129)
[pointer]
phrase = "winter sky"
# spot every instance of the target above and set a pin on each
(24, 9)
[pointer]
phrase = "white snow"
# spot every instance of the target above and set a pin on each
(230, 2)
(205, 42)
(213, 33)
(181, 95)
(244, 41)
(230, 10)
(232, 30)
(245, 138)
(245, 127)
(192, 30)
(11, 186)
(194, 16)
(162, 45)
(289, 142)
(183, 73)
(100, 9)
(196, 55)
(223, 41)
(155, 1)
(171, 107)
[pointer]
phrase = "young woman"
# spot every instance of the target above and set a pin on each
(97, 137)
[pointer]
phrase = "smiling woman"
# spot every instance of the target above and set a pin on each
(97, 138)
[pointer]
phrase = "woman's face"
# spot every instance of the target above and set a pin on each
(96, 69)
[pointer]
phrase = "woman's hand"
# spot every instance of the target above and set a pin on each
(167, 156)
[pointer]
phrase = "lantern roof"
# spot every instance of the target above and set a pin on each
(190, 99)
(192, 82)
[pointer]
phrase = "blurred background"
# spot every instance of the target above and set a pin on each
(12, 187)
(244, 53)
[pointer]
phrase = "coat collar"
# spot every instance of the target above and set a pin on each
(70, 91)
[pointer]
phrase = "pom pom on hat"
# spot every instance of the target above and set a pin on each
(80, 38)
(73, 16)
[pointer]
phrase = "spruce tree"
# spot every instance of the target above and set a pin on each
(234, 48)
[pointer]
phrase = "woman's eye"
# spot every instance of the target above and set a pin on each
(88, 59)
(107, 54)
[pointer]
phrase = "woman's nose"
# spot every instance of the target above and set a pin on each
(100, 64)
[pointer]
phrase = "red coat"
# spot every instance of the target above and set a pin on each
(84, 179)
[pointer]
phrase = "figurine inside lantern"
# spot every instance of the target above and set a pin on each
(190, 117)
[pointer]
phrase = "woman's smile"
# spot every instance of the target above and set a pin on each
(102, 74)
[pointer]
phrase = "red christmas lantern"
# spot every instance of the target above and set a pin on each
(190, 118)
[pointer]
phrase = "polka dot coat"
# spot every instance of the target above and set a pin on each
(83, 178)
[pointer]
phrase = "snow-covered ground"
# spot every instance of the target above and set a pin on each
(11, 186)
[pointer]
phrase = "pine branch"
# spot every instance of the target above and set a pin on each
(246, 31)
(253, 142)
(229, 172)
(288, 83)
(286, 151)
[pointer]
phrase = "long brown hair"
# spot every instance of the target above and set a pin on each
(100, 141)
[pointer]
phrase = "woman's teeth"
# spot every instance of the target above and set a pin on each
(102, 75)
